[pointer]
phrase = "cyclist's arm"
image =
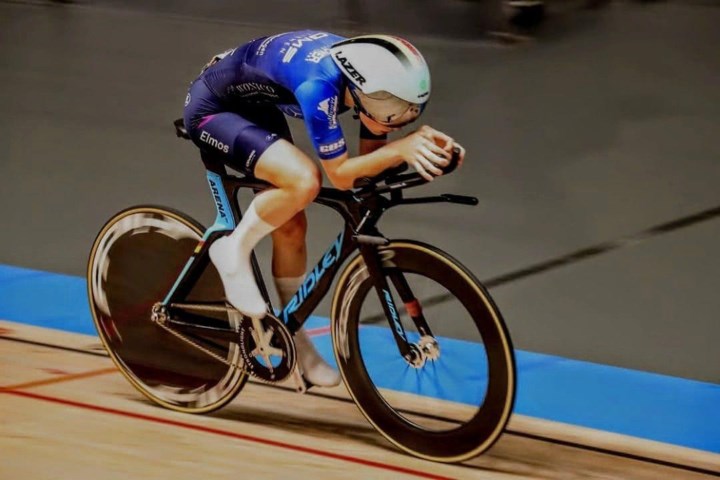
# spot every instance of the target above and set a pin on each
(368, 144)
(343, 170)
(319, 103)
(420, 149)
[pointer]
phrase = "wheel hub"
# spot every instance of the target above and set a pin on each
(159, 314)
(430, 347)
(427, 348)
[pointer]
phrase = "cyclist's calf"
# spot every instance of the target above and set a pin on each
(289, 251)
(293, 231)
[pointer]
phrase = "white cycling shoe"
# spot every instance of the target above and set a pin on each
(312, 366)
(237, 278)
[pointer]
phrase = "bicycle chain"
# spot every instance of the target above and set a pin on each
(208, 308)
(199, 347)
(241, 366)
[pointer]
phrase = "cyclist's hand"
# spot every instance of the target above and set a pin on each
(448, 144)
(420, 149)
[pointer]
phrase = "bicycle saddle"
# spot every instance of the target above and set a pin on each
(180, 129)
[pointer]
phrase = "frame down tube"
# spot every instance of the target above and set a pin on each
(318, 281)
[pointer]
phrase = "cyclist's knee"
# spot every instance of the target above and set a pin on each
(288, 168)
(307, 184)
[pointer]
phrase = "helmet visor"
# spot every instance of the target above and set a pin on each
(387, 109)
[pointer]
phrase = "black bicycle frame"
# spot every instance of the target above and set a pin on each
(360, 210)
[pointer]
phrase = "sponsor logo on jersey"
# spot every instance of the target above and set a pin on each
(207, 138)
(354, 74)
(249, 161)
(332, 147)
(217, 58)
(289, 54)
(187, 99)
(318, 54)
(292, 110)
(263, 46)
(329, 108)
(298, 42)
(248, 89)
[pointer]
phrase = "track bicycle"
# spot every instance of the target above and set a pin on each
(422, 348)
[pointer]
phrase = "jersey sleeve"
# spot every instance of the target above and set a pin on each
(319, 102)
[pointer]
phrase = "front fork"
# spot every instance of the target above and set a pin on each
(414, 353)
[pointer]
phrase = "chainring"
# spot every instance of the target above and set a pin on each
(267, 348)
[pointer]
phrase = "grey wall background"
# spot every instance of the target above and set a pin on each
(604, 125)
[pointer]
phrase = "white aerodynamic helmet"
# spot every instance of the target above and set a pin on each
(389, 79)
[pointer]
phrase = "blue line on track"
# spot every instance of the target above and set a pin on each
(641, 404)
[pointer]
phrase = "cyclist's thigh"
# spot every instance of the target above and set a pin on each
(234, 139)
(282, 164)
(285, 165)
(237, 138)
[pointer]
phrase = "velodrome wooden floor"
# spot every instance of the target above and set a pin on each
(66, 413)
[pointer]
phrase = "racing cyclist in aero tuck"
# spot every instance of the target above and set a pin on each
(235, 111)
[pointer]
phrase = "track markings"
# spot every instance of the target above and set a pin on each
(50, 381)
(225, 433)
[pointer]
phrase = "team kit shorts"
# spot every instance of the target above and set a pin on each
(239, 137)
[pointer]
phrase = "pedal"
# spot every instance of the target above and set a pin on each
(300, 383)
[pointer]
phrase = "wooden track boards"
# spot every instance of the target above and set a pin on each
(65, 412)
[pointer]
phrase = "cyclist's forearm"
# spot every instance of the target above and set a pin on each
(367, 165)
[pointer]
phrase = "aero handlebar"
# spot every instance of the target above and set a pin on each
(394, 179)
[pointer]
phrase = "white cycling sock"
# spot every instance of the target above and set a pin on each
(231, 257)
(313, 367)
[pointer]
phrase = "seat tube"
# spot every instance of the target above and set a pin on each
(224, 221)
(225, 218)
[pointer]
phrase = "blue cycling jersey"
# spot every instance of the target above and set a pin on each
(292, 71)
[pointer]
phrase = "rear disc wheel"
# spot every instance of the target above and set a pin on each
(134, 262)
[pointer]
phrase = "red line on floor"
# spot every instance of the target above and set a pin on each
(226, 433)
(66, 378)
(314, 332)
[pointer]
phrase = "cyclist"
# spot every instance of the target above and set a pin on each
(235, 109)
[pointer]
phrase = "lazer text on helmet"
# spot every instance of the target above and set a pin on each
(350, 69)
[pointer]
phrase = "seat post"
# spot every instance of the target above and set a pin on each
(212, 163)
